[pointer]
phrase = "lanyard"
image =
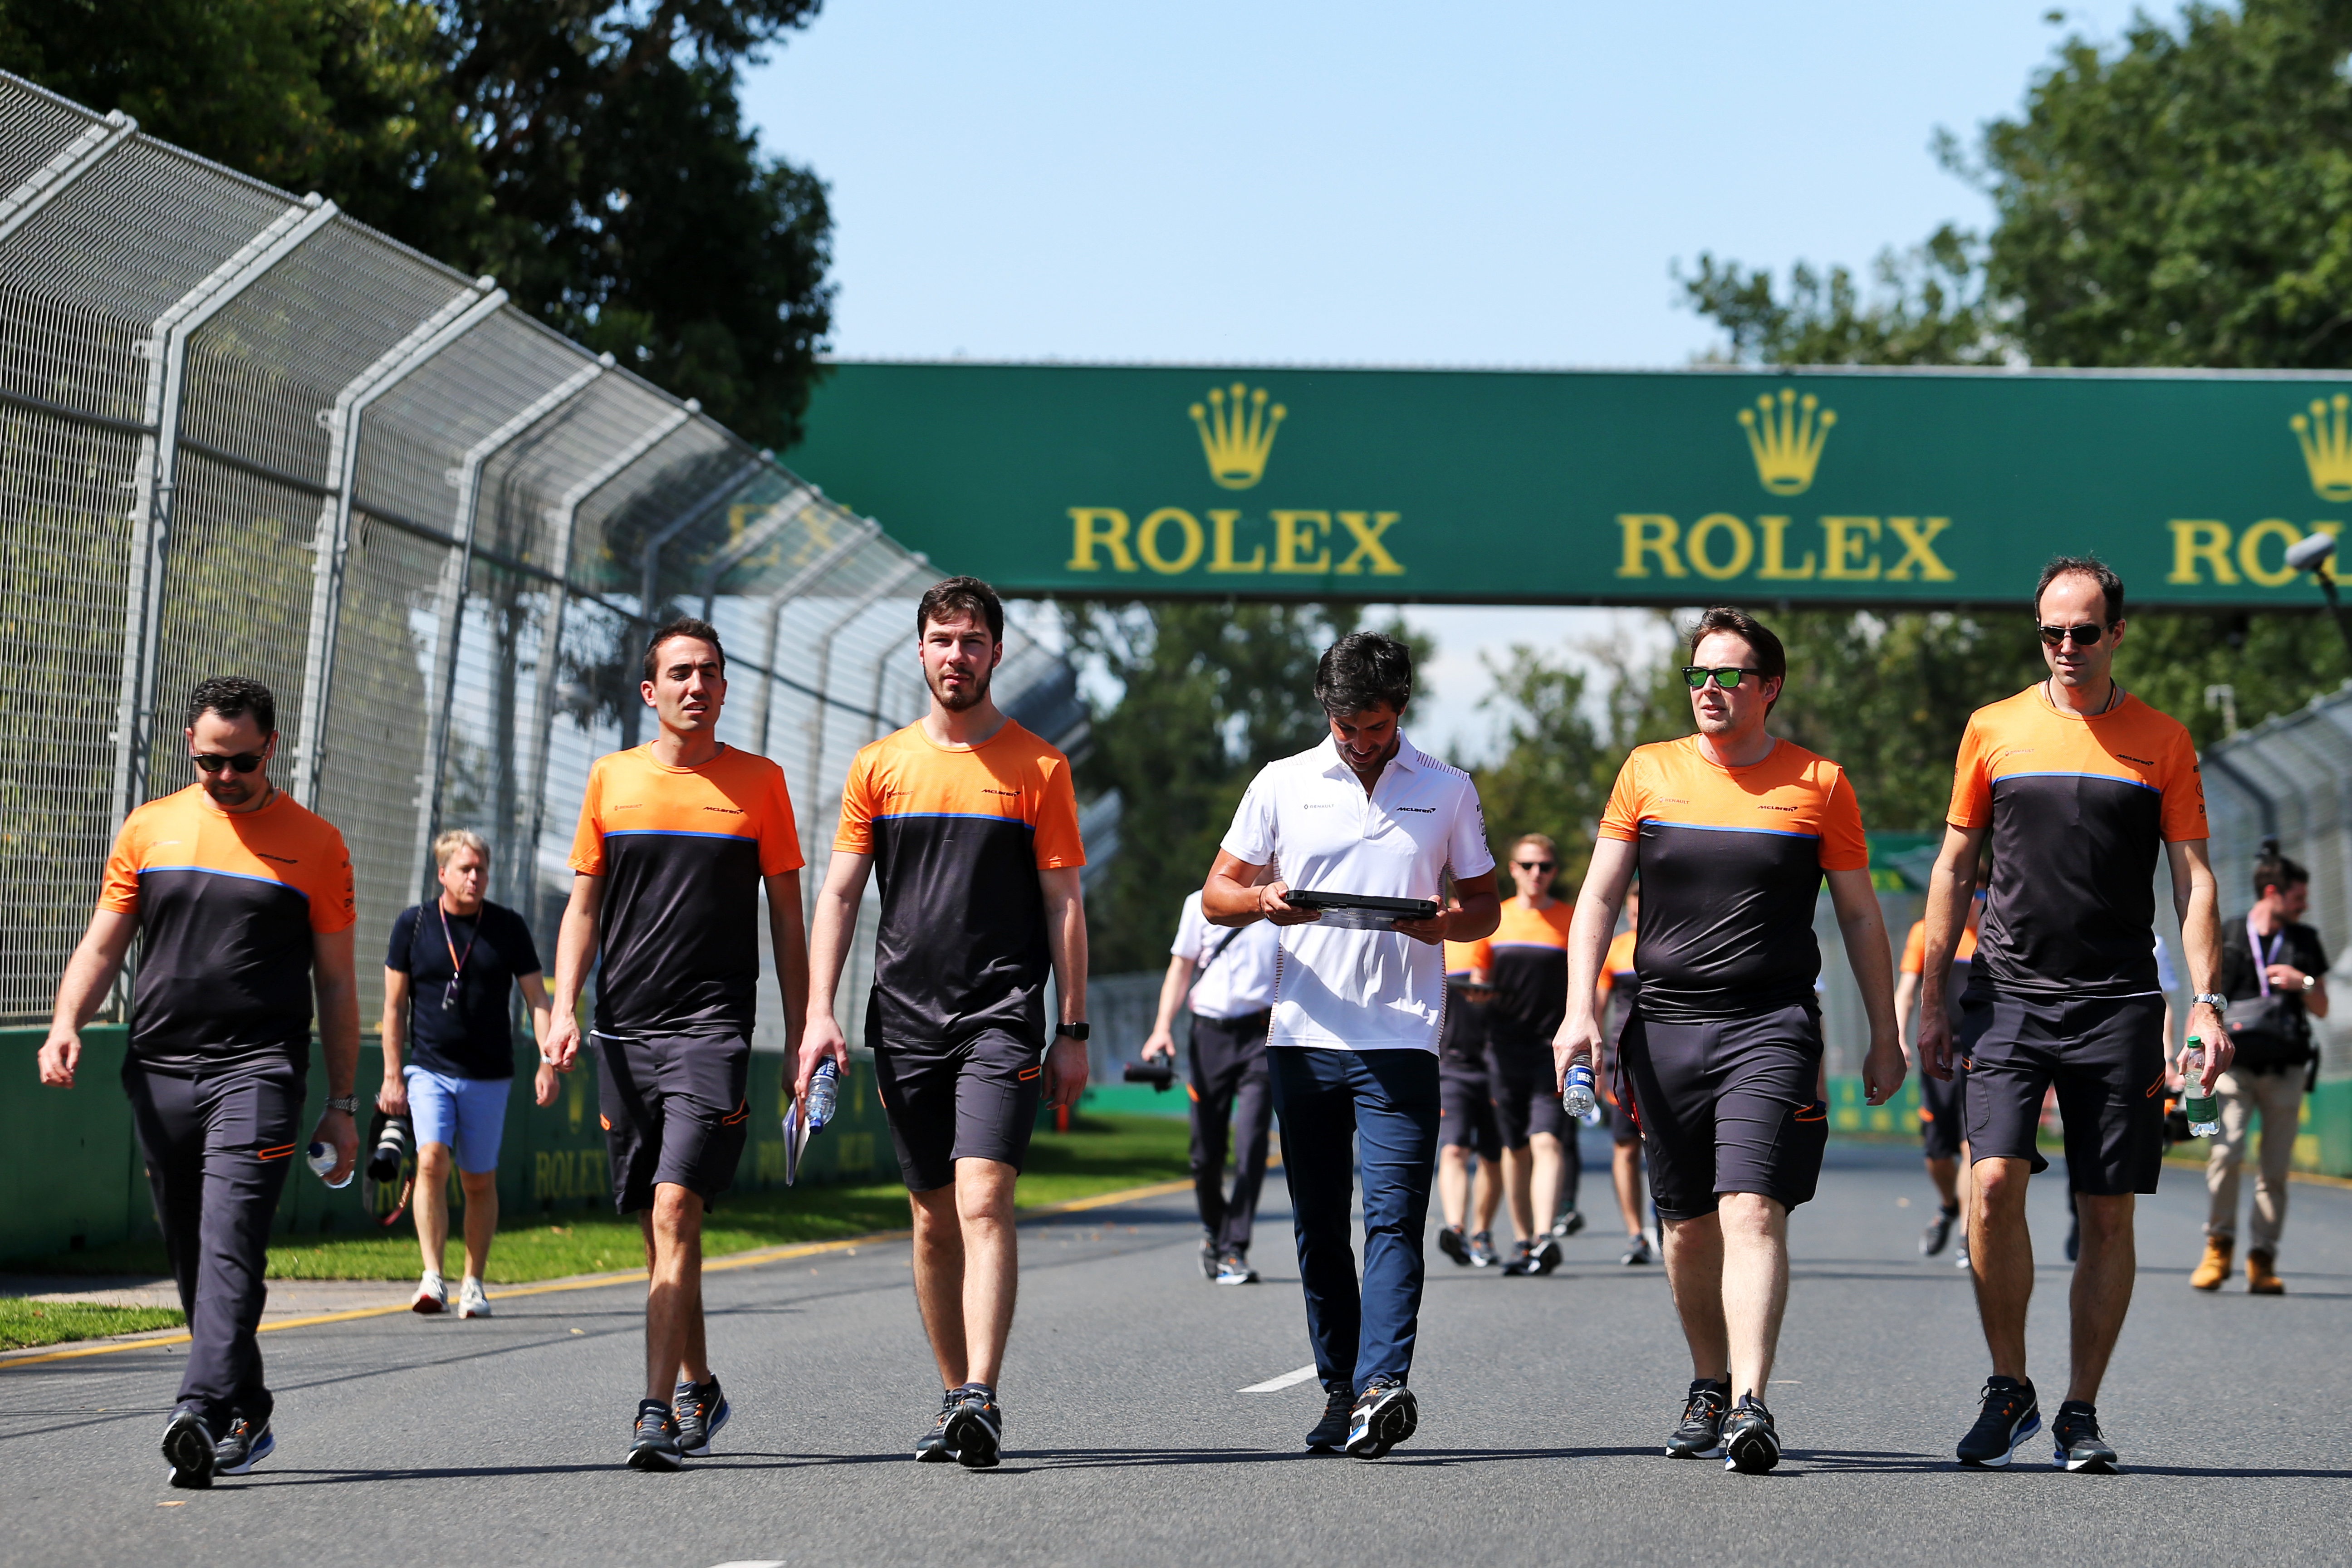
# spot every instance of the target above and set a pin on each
(2262, 960)
(457, 964)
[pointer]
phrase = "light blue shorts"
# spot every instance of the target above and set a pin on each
(468, 1115)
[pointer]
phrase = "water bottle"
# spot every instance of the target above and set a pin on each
(2204, 1111)
(824, 1087)
(322, 1160)
(1576, 1097)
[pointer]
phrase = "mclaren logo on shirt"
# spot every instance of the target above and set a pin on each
(281, 860)
(724, 810)
(1423, 810)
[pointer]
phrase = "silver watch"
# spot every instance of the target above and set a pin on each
(2219, 1003)
(348, 1104)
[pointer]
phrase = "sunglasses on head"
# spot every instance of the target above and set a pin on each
(242, 763)
(2086, 634)
(1725, 677)
(1536, 864)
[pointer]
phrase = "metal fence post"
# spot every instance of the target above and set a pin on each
(333, 543)
(649, 560)
(788, 505)
(822, 683)
(796, 585)
(157, 474)
(77, 158)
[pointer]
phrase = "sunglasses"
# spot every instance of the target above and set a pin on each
(2085, 635)
(242, 763)
(1535, 865)
(1726, 678)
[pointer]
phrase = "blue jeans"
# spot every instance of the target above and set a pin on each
(1327, 1101)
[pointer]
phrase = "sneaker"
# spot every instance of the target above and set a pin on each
(1482, 1250)
(1567, 1224)
(1939, 1232)
(188, 1447)
(653, 1441)
(1385, 1415)
(1449, 1242)
(701, 1410)
(1960, 1254)
(242, 1447)
(432, 1296)
(1331, 1433)
(473, 1302)
(975, 1428)
(1209, 1261)
(932, 1448)
(1544, 1256)
(1638, 1252)
(2010, 1417)
(1233, 1268)
(1700, 1436)
(2079, 1446)
(1750, 1444)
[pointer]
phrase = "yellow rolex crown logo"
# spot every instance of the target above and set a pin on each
(2326, 446)
(1787, 440)
(1236, 437)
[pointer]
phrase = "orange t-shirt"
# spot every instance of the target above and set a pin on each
(1526, 958)
(1914, 948)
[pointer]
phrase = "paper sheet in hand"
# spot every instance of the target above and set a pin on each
(794, 1139)
(1359, 911)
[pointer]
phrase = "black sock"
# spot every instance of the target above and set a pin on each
(1951, 1211)
(985, 1389)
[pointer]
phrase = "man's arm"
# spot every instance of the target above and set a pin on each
(1907, 991)
(1172, 986)
(828, 949)
(1949, 888)
(575, 950)
(337, 983)
(1476, 911)
(1864, 927)
(89, 974)
(2196, 900)
(1232, 895)
(1065, 939)
(391, 1099)
(535, 998)
(1589, 930)
(789, 938)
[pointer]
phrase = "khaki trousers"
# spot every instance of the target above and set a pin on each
(2279, 1096)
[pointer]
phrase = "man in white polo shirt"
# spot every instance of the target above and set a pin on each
(1352, 1047)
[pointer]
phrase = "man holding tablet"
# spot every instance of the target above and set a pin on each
(1371, 825)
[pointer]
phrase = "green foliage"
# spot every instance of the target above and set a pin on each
(1931, 308)
(1556, 765)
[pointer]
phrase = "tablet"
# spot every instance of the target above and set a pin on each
(1359, 912)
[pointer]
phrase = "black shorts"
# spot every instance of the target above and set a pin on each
(973, 1098)
(2104, 1055)
(1729, 1106)
(1465, 1112)
(674, 1111)
(1943, 1114)
(1527, 1094)
(1624, 1127)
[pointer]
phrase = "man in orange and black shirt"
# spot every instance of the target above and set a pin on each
(970, 824)
(677, 840)
(2075, 783)
(242, 902)
(1734, 833)
(1943, 1133)
(1526, 961)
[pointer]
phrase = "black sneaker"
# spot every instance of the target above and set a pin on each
(188, 1447)
(932, 1448)
(243, 1448)
(1751, 1444)
(2079, 1444)
(701, 1410)
(1700, 1436)
(653, 1441)
(1534, 1258)
(1385, 1415)
(1939, 1232)
(1482, 1250)
(2009, 1419)
(1208, 1260)
(975, 1428)
(1568, 1223)
(1233, 1268)
(1637, 1252)
(1331, 1433)
(1449, 1242)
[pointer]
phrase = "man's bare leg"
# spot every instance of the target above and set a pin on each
(1543, 1182)
(2103, 1273)
(1625, 1171)
(2001, 1256)
(1518, 1190)
(1485, 1197)
(1454, 1184)
(967, 1270)
(430, 1198)
(1695, 1271)
(1945, 1175)
(1754, 1232)
(481, 1218)
(674, 1341)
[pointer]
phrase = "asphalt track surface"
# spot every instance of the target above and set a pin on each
(1544, 1404)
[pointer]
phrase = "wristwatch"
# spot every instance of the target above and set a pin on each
(348, 1104)
(2309, 981)
(2219, 1003)
(1076, 1031)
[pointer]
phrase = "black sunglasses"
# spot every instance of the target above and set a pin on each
(1535, 865)
(242, 763)
(2085, 635)
(1726, 677)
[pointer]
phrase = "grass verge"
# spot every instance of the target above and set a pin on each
(1099, 1154)
(23, 1324)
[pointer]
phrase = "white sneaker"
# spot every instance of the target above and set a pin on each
(432, 1296)
(473, 1302)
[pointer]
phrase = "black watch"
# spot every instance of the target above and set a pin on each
(1076, 1031)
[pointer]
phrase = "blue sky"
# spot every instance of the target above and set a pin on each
(1299, 181)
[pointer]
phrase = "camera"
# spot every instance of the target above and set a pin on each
(1160, 1076)
(392, 1137)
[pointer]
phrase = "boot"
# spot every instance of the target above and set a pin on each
(2260, 1281)
(2216, 1266)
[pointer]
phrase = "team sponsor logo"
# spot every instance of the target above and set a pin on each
(2211, 550)
(1786, 444)
(1237, 438)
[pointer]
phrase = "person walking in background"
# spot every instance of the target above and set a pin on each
(677, 838)
(2276, 975)
(1621, 987)
(448, 1053)
(1527, 962)
(1943, 1128)
(1465, 1115)
(242, 902)
(1226, 978)
(1352, 1048)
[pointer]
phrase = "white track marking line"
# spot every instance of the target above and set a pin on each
(1288, 1379)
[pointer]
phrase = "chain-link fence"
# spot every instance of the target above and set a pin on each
(242, 434)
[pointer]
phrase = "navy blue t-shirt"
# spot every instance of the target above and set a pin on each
(472, 1037)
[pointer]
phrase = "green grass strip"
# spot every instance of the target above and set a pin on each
(24, 1323)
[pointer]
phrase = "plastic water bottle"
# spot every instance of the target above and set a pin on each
(1576, 1097)
(322, 1160)
(824, 1087)
(2204, 1111)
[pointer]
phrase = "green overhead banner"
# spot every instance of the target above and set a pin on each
(1669, 488)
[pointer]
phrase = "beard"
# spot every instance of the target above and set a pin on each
(970, 697)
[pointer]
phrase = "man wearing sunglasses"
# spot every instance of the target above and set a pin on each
(243, 903)
(2074, 782)
(1733, 832)
(1525, 961)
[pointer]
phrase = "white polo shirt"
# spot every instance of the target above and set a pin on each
(1360, 990)
(1239, 981)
